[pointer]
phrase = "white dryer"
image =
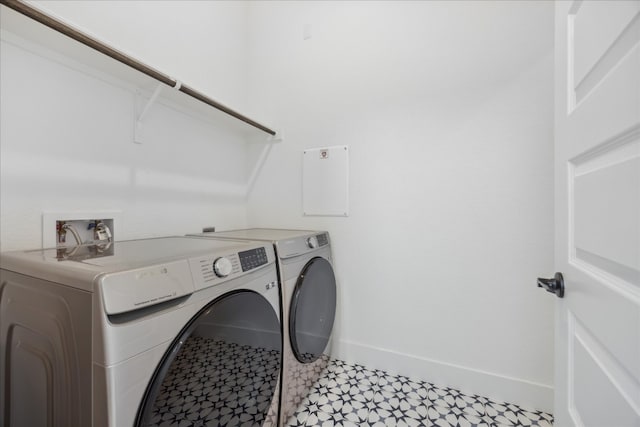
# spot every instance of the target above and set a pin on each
(308, 292)
(168, 331)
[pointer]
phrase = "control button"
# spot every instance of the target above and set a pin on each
(312, 242)
(253, 258)
(222, 267)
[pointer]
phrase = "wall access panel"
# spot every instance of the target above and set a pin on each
(325, 181)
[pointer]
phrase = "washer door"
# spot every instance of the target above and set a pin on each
(223, 369)
(313, 309)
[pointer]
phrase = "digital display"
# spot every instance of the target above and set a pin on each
(253, 258)
(322, 239)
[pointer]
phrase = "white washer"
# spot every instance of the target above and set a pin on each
(308, 292)
(147, 332)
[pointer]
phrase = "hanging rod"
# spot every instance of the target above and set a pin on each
(87, 40)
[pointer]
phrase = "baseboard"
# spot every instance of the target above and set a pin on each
(524, 393)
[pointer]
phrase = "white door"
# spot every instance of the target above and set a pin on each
(597, 377)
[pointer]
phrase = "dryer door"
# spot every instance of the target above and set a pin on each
(223, 369)
(313, 309)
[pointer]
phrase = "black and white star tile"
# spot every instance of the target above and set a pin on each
(354, 395)
(216, 383)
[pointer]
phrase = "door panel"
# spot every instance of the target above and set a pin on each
(313, 309)
(597, 378)
(603, 32)
(606, 212)
(594, 379)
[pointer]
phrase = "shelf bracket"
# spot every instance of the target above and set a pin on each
(138, 131)
(277, 137)
(272, 139)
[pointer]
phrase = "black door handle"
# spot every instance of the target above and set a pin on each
(555, 285)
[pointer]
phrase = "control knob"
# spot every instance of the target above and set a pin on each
(222, 267)
(312, 242)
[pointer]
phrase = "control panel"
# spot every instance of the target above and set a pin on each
(301, 245)
(253, 258)
(322, 239)
(211, 270)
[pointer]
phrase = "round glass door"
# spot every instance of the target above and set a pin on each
(313, 309)
(222, 370)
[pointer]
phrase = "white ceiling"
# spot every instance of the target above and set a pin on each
(424, 46)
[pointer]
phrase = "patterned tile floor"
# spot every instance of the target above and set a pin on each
(352, 395)
(236, 390)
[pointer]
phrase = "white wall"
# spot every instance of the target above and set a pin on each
(447, 109)
(201, 43)
(66, 144)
